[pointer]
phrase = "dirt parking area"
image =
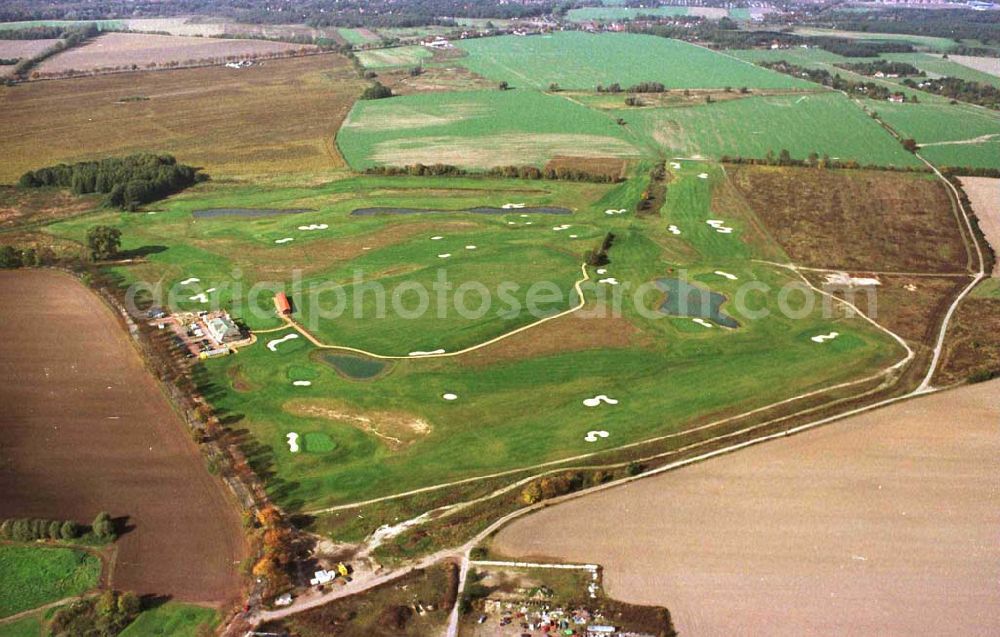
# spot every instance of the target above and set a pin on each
(984, 195)
(882, 524)
(84, 428)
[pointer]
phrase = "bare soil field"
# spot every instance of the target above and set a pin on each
(133, 51)
(882, 524)
(276, 116)
(973, 342)
(85, 428)
(984, 64)
(10, 49)
(984, 195)
(205, 26)
(855, 219)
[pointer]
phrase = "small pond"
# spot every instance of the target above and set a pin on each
(691, 301)
(355, 367)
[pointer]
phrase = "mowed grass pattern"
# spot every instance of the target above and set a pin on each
(477, 129)
(32, 576)
(825, 123)
(579, 60)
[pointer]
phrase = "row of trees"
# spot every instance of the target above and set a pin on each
(73, 36)
(103, 616)
(599, 256)
(885, 67)
(128, 181)
(813, 160)
(509, 172)
(960, 90)
(641, 87)
(103, 243)
(872, 90)
(32, 529)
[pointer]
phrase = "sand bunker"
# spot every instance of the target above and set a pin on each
(302, 383)
(609, 280)
(478, 210)
(449, 396)
(702, 322)
(470, 247)
(284, 240)
(273, 345)
(612, 211)
(822, 338)
(598, 399)
(203, 296)
(594, 436)
(846, 280)
(675, 165)
(509, 206)
(293, 441)
(436, 238)
(719, 226)
(190, 280)
(246, 212)
(314, 226)
(702, 175)
(602, 270)
(731, 277)
(419, 353)
(444, 256)
(564, 226)
(673, 229)
(572, 236)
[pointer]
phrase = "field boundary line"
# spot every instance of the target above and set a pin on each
(291, 323)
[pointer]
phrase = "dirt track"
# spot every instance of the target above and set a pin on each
(881, 524)
(84, 428)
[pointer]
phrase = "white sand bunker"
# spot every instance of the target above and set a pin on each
(612, 211)
(470, 247)
(273, 345)
(293, 441)
(909, 287)
(602, 270)
(436, 238)
(719, 225)
(444, 256)
(609, 280)
(419, 353)
(702, 175)
(523, 216)
(528, 223)
(593, 436)
(572, 236)
(314, 226)
(673, 229)
(822, 338)
(598, 399)
(731, 277)
(203, 296)
(845, 279)
(702, 322)
(190, 280)
(564, 226)
(511, 223)
(302, 383)
(676, 165)
(510, 206)
(285, 240)
(449, 396)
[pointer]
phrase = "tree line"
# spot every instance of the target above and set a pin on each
(508, 172)
(641, 87)
(106, 615)
(955, 24)
(872, 90)
(813, 160)
(960, 90)
(128, 182)
(34, 529)
(71, 37)
(882, 66)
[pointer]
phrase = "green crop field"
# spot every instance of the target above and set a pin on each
(579, 60)
(588, 14)
(370, 432)
(477, 129)
(27, 627)
(396, 56)
(33, 576)
(940, 122)
(935, 65)
(924, 41)
(172, 620)
(825, 123)
(355, 36)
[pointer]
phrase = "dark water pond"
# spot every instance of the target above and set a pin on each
(356, 367)
(210, 213)
(479, 210)
(691, 301)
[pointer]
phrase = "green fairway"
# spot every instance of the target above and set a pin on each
(32, 576)
(27, 627)
(477, 129)
(579, 60)
(825, 123)
(396, 56)
(172, 620)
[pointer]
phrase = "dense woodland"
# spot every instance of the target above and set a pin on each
(129, 181)
(957, 24)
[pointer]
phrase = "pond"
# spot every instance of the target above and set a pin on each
(691, 301)
(355, 367)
